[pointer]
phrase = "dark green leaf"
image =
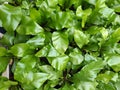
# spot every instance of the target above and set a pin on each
(3, 63)
(3, 51)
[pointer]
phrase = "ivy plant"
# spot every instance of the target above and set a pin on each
(60, 44)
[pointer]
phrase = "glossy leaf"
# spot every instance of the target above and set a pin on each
(60, 41)
(48, 51)
(76, 58)
(59, 62)
(40, 78)
(32, 27)
(21, 50)
(107, 77)
(89, 72)
(23, 71)
(80, 38)
(37, 40)
(114, 62)
(10, 16)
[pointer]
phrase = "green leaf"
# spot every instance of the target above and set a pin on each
(76, 57)
(23, 71)
(37, 41)
(59, 62)
(100, 4)
(60, 20)
(32, 27)
(107, 76)
(52, 3)
(86, 85)
(109, 86)
(115, 37)
(114, 62)
(117, 84)
(10, 16)
(48, 51)
(21, 49)
(8, 38)
(3, 63)
(3, 51)
(67, 87)
(80, 38)
(21, 38)
(5, 83)
(60, 41)
(89, 72)
(53, 75)
(93, 2)
(39, 79)
(83, 14)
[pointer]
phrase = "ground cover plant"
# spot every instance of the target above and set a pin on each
(60, 44)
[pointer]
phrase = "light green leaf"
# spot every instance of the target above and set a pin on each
(60, 41)
(21, 50)
(48, 51)
(100, 4)
(117, 84)
(39, 79)
(115, 36)
(86, 85)
(60, 20)
(107, 76)
(52, 3)
(93, 2)
(104, 33)
(114, 62)
(59, 62)
(80, 38)
(83, 14)
(29, 27)
(10, 16)
(42, 52)
(36, 41)
(76, 58)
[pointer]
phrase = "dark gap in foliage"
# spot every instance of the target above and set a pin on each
(2, 30)
(44, 61)
(72, 8)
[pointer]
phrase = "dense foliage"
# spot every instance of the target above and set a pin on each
(60, 44)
